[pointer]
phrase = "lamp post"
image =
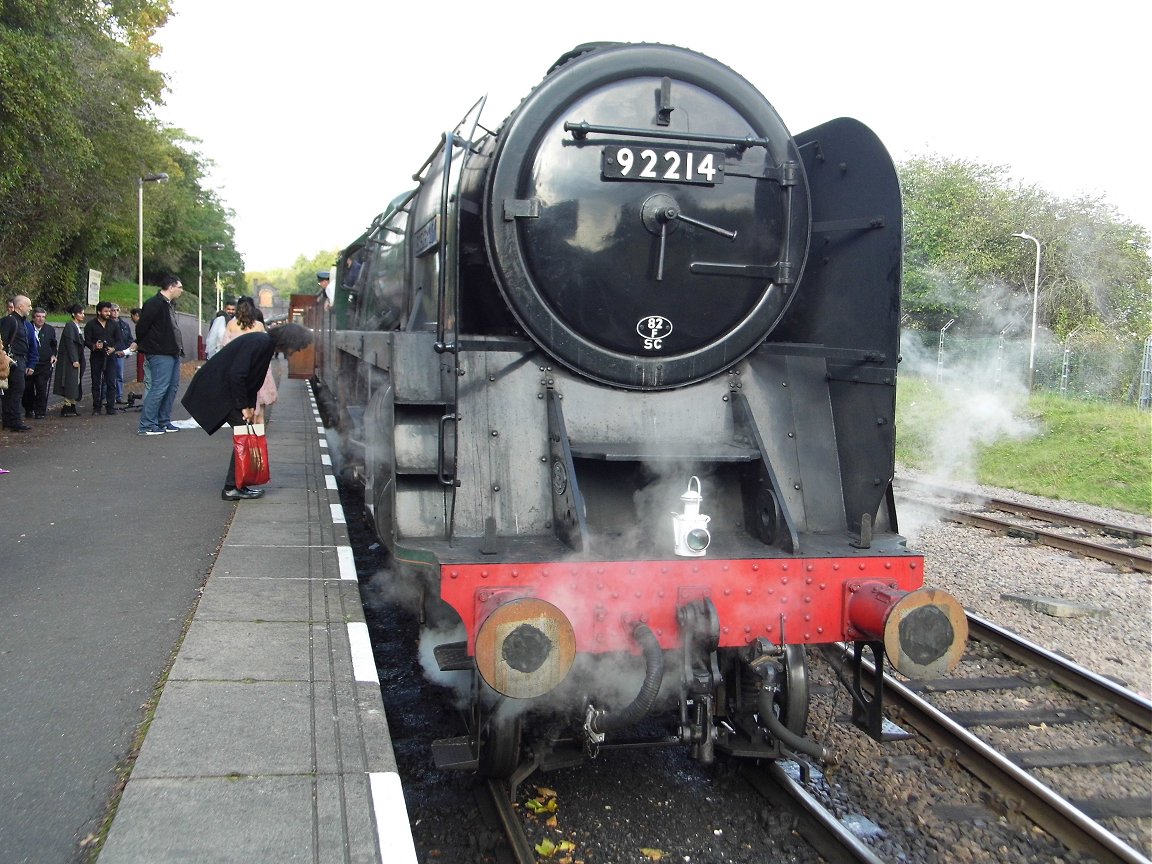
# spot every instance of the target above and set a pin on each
(1023, 235)
(200, 295)
(220, 288)
(147, 178)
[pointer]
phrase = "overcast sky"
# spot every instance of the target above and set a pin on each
(316, 116)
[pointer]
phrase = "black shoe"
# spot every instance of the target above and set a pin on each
(111, 411)
(39, 416)
(240, 494)
(24, 427)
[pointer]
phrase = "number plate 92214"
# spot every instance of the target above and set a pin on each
(662, 165)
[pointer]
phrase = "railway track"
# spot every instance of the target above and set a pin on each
(1057, 743)
(781, 784)
(1125, 545)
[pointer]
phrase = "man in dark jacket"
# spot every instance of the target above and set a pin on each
(100, 335)
(14, 333)
(125, 343)
(39, 383)
(158, 338)
(224, 390)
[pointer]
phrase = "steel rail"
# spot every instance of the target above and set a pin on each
(518, 841)
(1042, 514)
(1131, 706)
(1022, 791)
(827, 835)
(1131, 559)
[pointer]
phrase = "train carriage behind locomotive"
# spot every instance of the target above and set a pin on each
(641, 294)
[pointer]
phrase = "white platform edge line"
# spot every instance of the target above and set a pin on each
(392, 825)
(330, 481)
(338, 514)
(347, 563)
(325, 459)
(363, 665)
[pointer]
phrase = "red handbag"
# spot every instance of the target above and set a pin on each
(251, 447)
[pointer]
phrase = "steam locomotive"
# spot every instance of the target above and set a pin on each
(619, 381)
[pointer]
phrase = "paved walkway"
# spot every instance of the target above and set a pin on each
(270, 743)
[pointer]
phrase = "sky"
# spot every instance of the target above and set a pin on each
(316, 116)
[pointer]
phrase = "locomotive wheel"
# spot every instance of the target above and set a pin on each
(792, 702)
(497, 737)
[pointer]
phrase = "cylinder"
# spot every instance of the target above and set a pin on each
(923, 631)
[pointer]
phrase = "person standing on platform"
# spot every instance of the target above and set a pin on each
(224, 390)
(220, 321)
(100, 335)
(125, 344)
(39, 383)
(158, 336)
(141, 369)
(69, 378)
(14, 333)
(249, 320)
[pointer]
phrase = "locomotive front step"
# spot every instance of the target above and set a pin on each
(453, 657)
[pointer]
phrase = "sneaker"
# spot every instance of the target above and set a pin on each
(168, 427)
(150, 432)
(240, 494)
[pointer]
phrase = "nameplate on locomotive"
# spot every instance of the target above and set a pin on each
(426, 237)
(662, 165)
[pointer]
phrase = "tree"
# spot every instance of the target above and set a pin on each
(76, 130)
(962, 262)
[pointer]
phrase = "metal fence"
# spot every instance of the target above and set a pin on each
(1098, 368)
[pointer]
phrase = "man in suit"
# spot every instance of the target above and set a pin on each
(224, 390)
(14, 334)
(39, 383)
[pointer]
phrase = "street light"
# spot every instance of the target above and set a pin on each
(1035, 307)
(200, 295)
(220, 288)
(147, 178)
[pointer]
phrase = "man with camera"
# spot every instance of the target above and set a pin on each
(101, 335)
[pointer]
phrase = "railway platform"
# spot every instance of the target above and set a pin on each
(269, 741)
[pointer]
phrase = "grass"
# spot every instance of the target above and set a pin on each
(1092, 452)
(126, 295)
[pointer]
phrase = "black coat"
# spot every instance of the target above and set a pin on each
(48, 347)
(156, 331)
(69, 380)
(229, 381)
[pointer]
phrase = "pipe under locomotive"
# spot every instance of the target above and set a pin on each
(620, 379)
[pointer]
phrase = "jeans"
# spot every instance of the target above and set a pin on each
(160, 393)
(119, 361)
